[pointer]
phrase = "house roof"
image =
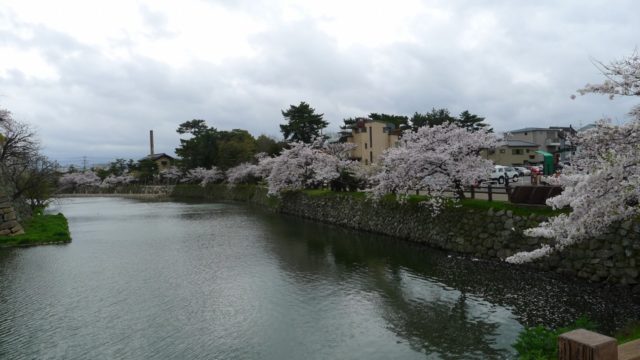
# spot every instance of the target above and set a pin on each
(520, 143)
(550, 128)
(155, 157)
(529, 129)
(587, 127)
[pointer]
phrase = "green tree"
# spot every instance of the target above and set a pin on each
(34, 180)
(435, 117)
(349, 123)
(118, 167)
(397, 120)
(432, 118)
(102, 173)
(472, 122)
(234, 147)
(201, 149)
(303, 124)
(266, 144)
(146, 170)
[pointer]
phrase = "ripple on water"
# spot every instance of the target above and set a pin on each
(177, 280)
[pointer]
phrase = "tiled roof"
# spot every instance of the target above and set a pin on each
(155, 157)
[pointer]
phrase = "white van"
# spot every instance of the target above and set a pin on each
(500, 173)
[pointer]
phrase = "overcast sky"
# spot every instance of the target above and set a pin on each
(93, 77)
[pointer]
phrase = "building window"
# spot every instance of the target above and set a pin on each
(365, 145)
(370, 136)
(516, 151)
(525, 134)
(491, 151)
(164, 163)
(532, 157)
(371, 156)
(528, 151)
(366, 161)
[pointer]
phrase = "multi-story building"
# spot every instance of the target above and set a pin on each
(552, 140)
(371, 138)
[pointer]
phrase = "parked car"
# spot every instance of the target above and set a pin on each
(522, 171)
(501, 173)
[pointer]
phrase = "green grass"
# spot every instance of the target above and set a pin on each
(520, 210)
(40, 229)
(628, 333)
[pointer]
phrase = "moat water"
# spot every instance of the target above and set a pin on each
(175, 280)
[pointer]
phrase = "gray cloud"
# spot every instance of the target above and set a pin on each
(517, 67)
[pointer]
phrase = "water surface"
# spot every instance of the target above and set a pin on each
(172, 280)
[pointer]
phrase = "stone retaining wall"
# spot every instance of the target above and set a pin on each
(613, 257)
(9, 224)
(136, 191)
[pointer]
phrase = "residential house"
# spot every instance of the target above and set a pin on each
(162, 160)
(514, 152)
(552, 140)
(371, 138)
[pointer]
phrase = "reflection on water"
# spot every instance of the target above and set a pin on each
(178, 280)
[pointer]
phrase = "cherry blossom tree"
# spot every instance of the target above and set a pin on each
(297, 168)
(351, 174)
(304, 166)
(245, 173)
(602, 185)
(265, 165)
(170, 175)
(436, 159)
(203, 176)
(79, 181)
(112, 181)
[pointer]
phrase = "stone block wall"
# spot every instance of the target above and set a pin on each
(613, 257)
(9, 224)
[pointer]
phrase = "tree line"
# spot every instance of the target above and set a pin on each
(207, 146)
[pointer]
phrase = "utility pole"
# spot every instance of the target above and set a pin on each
(84, 163)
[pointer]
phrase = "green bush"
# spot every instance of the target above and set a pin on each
(540, 343)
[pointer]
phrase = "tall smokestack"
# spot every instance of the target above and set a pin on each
(151, 141)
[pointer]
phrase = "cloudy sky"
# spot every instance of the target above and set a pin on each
(93, 77)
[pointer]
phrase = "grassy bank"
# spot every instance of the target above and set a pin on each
(517, 209)
(40, 229)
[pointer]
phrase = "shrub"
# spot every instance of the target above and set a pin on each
(540, 343)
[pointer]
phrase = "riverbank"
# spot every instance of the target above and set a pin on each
(40, 230)
(491, 231)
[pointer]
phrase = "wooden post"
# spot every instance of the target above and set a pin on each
(629, 351)
(584, 344)
(473, 192)
(489, 194)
